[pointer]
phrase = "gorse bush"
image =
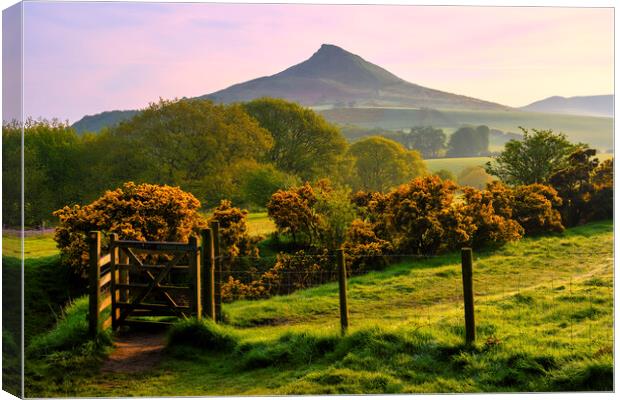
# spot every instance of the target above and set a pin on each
(234, 237)
(421, 217)
(136, 212)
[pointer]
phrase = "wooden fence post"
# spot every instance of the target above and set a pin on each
(94, 272)
(215, 230)
(468, 295)
(114, 279)
(196, 278)
(123, 276)
(342, 286)
(207, 263)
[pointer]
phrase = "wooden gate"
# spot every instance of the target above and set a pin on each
(145, 281)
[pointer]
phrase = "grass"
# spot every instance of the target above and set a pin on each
(37, 246)
(544, 312)
(259, 224)
(43, 245)
(458, 164)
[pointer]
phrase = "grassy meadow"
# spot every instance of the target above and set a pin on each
(458, 164)
(544, 315)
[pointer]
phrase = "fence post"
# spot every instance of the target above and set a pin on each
(468, 294)
(196, 278)
(94, 272)
(114, 278)
(215, 231)
(207, 263)
(342, 286)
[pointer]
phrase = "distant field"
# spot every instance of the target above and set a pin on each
(456, 165)
(596, 131)
(36, 246)
(44, 245)
(260, 224)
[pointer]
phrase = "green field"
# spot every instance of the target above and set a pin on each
(44, 245)
(544, 312)
(456, 165)
(35, 246)
(595, 131)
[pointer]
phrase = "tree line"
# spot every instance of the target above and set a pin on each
(243, 152)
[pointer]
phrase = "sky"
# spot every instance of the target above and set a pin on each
(85, 58)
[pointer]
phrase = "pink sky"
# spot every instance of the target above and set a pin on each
(84, 58)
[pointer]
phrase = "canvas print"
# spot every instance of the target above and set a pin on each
(219, 199)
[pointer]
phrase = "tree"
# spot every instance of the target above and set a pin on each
(192, 142)
(305, 144)
(53, 175)
(429, 141)
(469, 142)
(533, 159)
(259, 183)
(381, 164)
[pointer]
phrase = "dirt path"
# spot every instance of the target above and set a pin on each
(135, 352)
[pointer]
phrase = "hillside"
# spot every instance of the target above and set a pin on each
(601, 106)
(335, 76)
(544, 315)
(94, 123)
(332, 77)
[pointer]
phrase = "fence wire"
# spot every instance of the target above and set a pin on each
(550, 302)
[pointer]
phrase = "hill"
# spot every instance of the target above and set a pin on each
(94, 123)
(602, 106)
(334, 76)
(331, 77)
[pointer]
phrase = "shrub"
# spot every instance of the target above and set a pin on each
(292, 212)
(364, 249)
(585, 188)
(259, 183)
(136, 212)
(490, 228)
(421, 217)
(234, 237)
(316, 215)
(535, 208)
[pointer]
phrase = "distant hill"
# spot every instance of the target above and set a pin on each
(332, 77)
(601, 106)
(94, 123)
(336, 77)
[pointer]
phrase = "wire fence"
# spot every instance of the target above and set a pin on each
(562, 301)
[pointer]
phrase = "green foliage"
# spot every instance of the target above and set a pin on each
(305, 144)
(202, 334)
(429, 141)
(190, 142)
(260, 182)
(52, 170)
(468, 141)
(533, 159)
(380, 164)
(136, 212)
(586, 188)
(475, 177)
